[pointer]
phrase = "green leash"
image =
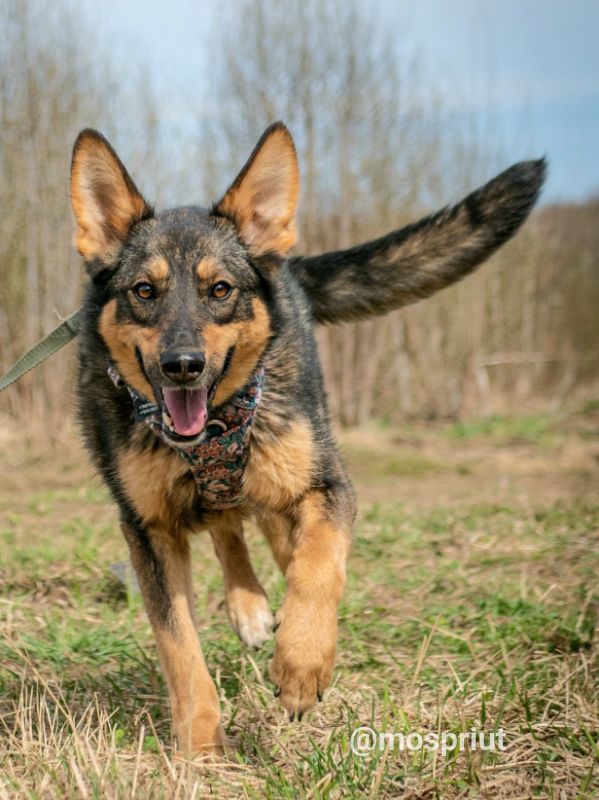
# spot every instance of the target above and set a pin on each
(50, 344)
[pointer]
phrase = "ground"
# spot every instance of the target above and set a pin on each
(471, 602)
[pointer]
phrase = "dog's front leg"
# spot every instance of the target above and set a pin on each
(306, 636)
(162, 563)
(247, 604)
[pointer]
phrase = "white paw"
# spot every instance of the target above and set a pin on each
(250, 617)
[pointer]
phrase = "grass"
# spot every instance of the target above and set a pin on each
(402, 463)
(478, 613)
(534, 428)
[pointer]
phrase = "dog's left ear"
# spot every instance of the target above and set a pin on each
(262, 201)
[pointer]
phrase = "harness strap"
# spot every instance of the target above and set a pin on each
(50, 344)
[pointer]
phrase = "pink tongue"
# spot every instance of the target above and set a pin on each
(188, 409)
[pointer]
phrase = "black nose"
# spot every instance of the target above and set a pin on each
(182, 367)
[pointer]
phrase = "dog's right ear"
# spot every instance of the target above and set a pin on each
(106, 202)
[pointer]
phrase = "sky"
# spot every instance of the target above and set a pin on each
(529, 68)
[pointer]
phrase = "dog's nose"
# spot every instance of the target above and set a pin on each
(182, 367)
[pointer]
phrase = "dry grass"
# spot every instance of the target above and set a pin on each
(471, 603)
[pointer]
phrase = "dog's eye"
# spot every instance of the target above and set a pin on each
(144, 291)
(220, 290)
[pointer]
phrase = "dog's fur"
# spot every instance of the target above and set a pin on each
(295, 482)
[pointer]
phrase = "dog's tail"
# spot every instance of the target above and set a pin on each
(414, 262)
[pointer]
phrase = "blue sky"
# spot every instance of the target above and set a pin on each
(530, 68)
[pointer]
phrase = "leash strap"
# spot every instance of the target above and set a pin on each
(50, 344)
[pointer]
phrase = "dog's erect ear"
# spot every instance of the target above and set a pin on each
(262, 201)
(106, 202)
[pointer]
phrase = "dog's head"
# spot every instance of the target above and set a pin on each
(185, 293)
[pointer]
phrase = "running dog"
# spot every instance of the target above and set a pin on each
(201, 398)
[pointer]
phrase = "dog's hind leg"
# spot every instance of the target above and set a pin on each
(162, 562)
(247, 605)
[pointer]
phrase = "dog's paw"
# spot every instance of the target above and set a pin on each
(250, 616)
(302, 665)
(203, 737)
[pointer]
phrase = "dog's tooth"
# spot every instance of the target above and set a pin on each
(166, 419)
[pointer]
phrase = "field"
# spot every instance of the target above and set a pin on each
(472, 601)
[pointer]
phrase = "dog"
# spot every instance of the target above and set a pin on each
(201, 399)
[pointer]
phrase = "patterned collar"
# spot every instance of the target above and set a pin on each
(218, 462)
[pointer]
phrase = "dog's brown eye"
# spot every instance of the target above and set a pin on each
(144, 290)
(220, 290)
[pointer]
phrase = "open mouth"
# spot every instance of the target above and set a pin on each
(185, 411)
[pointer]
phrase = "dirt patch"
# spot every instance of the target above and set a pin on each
(443, 470)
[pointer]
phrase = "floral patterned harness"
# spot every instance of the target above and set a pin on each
(218, 462)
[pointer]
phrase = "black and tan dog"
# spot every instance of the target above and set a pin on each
(201, 396)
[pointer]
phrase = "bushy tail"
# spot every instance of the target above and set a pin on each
(414, 262)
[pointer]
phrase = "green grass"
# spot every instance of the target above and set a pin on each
(532, 429)
(482, 614)
(402, 463)
(590, 408)
(371, 465)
